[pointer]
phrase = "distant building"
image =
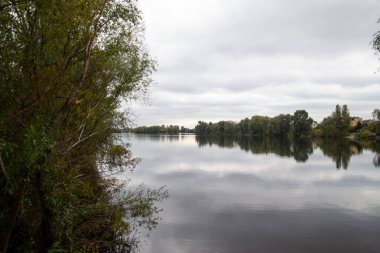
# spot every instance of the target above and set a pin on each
(368, 122)
(314, 124)
(355, 121)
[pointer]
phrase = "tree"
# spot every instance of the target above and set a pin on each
(243, 126)
(338, 124)
(337, 116)
(376, 114)
(346, 118)
(258, 125)
(201, 128)
(65, 68)
(301, 123)
(328, 127)
(280, 125)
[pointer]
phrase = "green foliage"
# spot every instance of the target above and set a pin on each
(317, 132)
(219, 128)
(65, 69)
(366, 134)
(202, 128)
(56, 248)
(258, 125)
(338, 124)
(373, 127)
(282, 126)
(301, 124)
(156, 129)
(243, 126)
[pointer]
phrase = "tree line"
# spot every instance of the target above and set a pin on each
(170, 129)
(298, 125)
(338, 124)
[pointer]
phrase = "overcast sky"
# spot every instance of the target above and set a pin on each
(231, 59)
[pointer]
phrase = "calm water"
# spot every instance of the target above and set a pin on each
(261, 195)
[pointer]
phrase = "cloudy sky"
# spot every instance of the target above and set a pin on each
(231, 59)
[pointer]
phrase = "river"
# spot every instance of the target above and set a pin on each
(247, 195)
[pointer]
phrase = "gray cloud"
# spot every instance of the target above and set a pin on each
(229, 200)
(232, 59)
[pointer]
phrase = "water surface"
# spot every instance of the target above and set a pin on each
(254, 195)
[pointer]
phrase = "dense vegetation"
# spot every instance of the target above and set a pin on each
(65, 67)
(371, 130)
(298, 125)
(338, 124)
(156, 129)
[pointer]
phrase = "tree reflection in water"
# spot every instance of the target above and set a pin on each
(339, 150)
(299, 149)
(375, 147)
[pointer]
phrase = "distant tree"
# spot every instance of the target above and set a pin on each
(201, 128)
(338, 124)
(327, 127)
(337, 116)
(230, 128)
(376, 114)
(258, 125)
(243, 126)
(280, 125)
(156, 129)
(346, 118)
(173, 129)
(301, 123)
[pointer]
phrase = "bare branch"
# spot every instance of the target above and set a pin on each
(81, 140)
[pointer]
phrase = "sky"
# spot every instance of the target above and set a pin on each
(231, 59)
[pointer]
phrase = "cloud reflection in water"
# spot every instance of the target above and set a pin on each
(263, 200)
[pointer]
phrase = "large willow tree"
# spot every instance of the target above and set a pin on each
(65, 67)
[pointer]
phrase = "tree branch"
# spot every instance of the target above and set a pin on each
(3, 170)
(70, 99)
(81, 140)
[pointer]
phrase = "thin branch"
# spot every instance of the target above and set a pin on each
(86, 57)
(70, 99)
(81, 140)
(3, 170)
(81, 132)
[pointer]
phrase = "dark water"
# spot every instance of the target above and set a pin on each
(247, 195)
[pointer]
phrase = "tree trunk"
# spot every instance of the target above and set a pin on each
(45, 236)
(10, 224)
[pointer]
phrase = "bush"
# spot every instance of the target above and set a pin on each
(317, 132)
(366, 134)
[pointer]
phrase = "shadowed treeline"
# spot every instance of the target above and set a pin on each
(299, 149)
(339, 150)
